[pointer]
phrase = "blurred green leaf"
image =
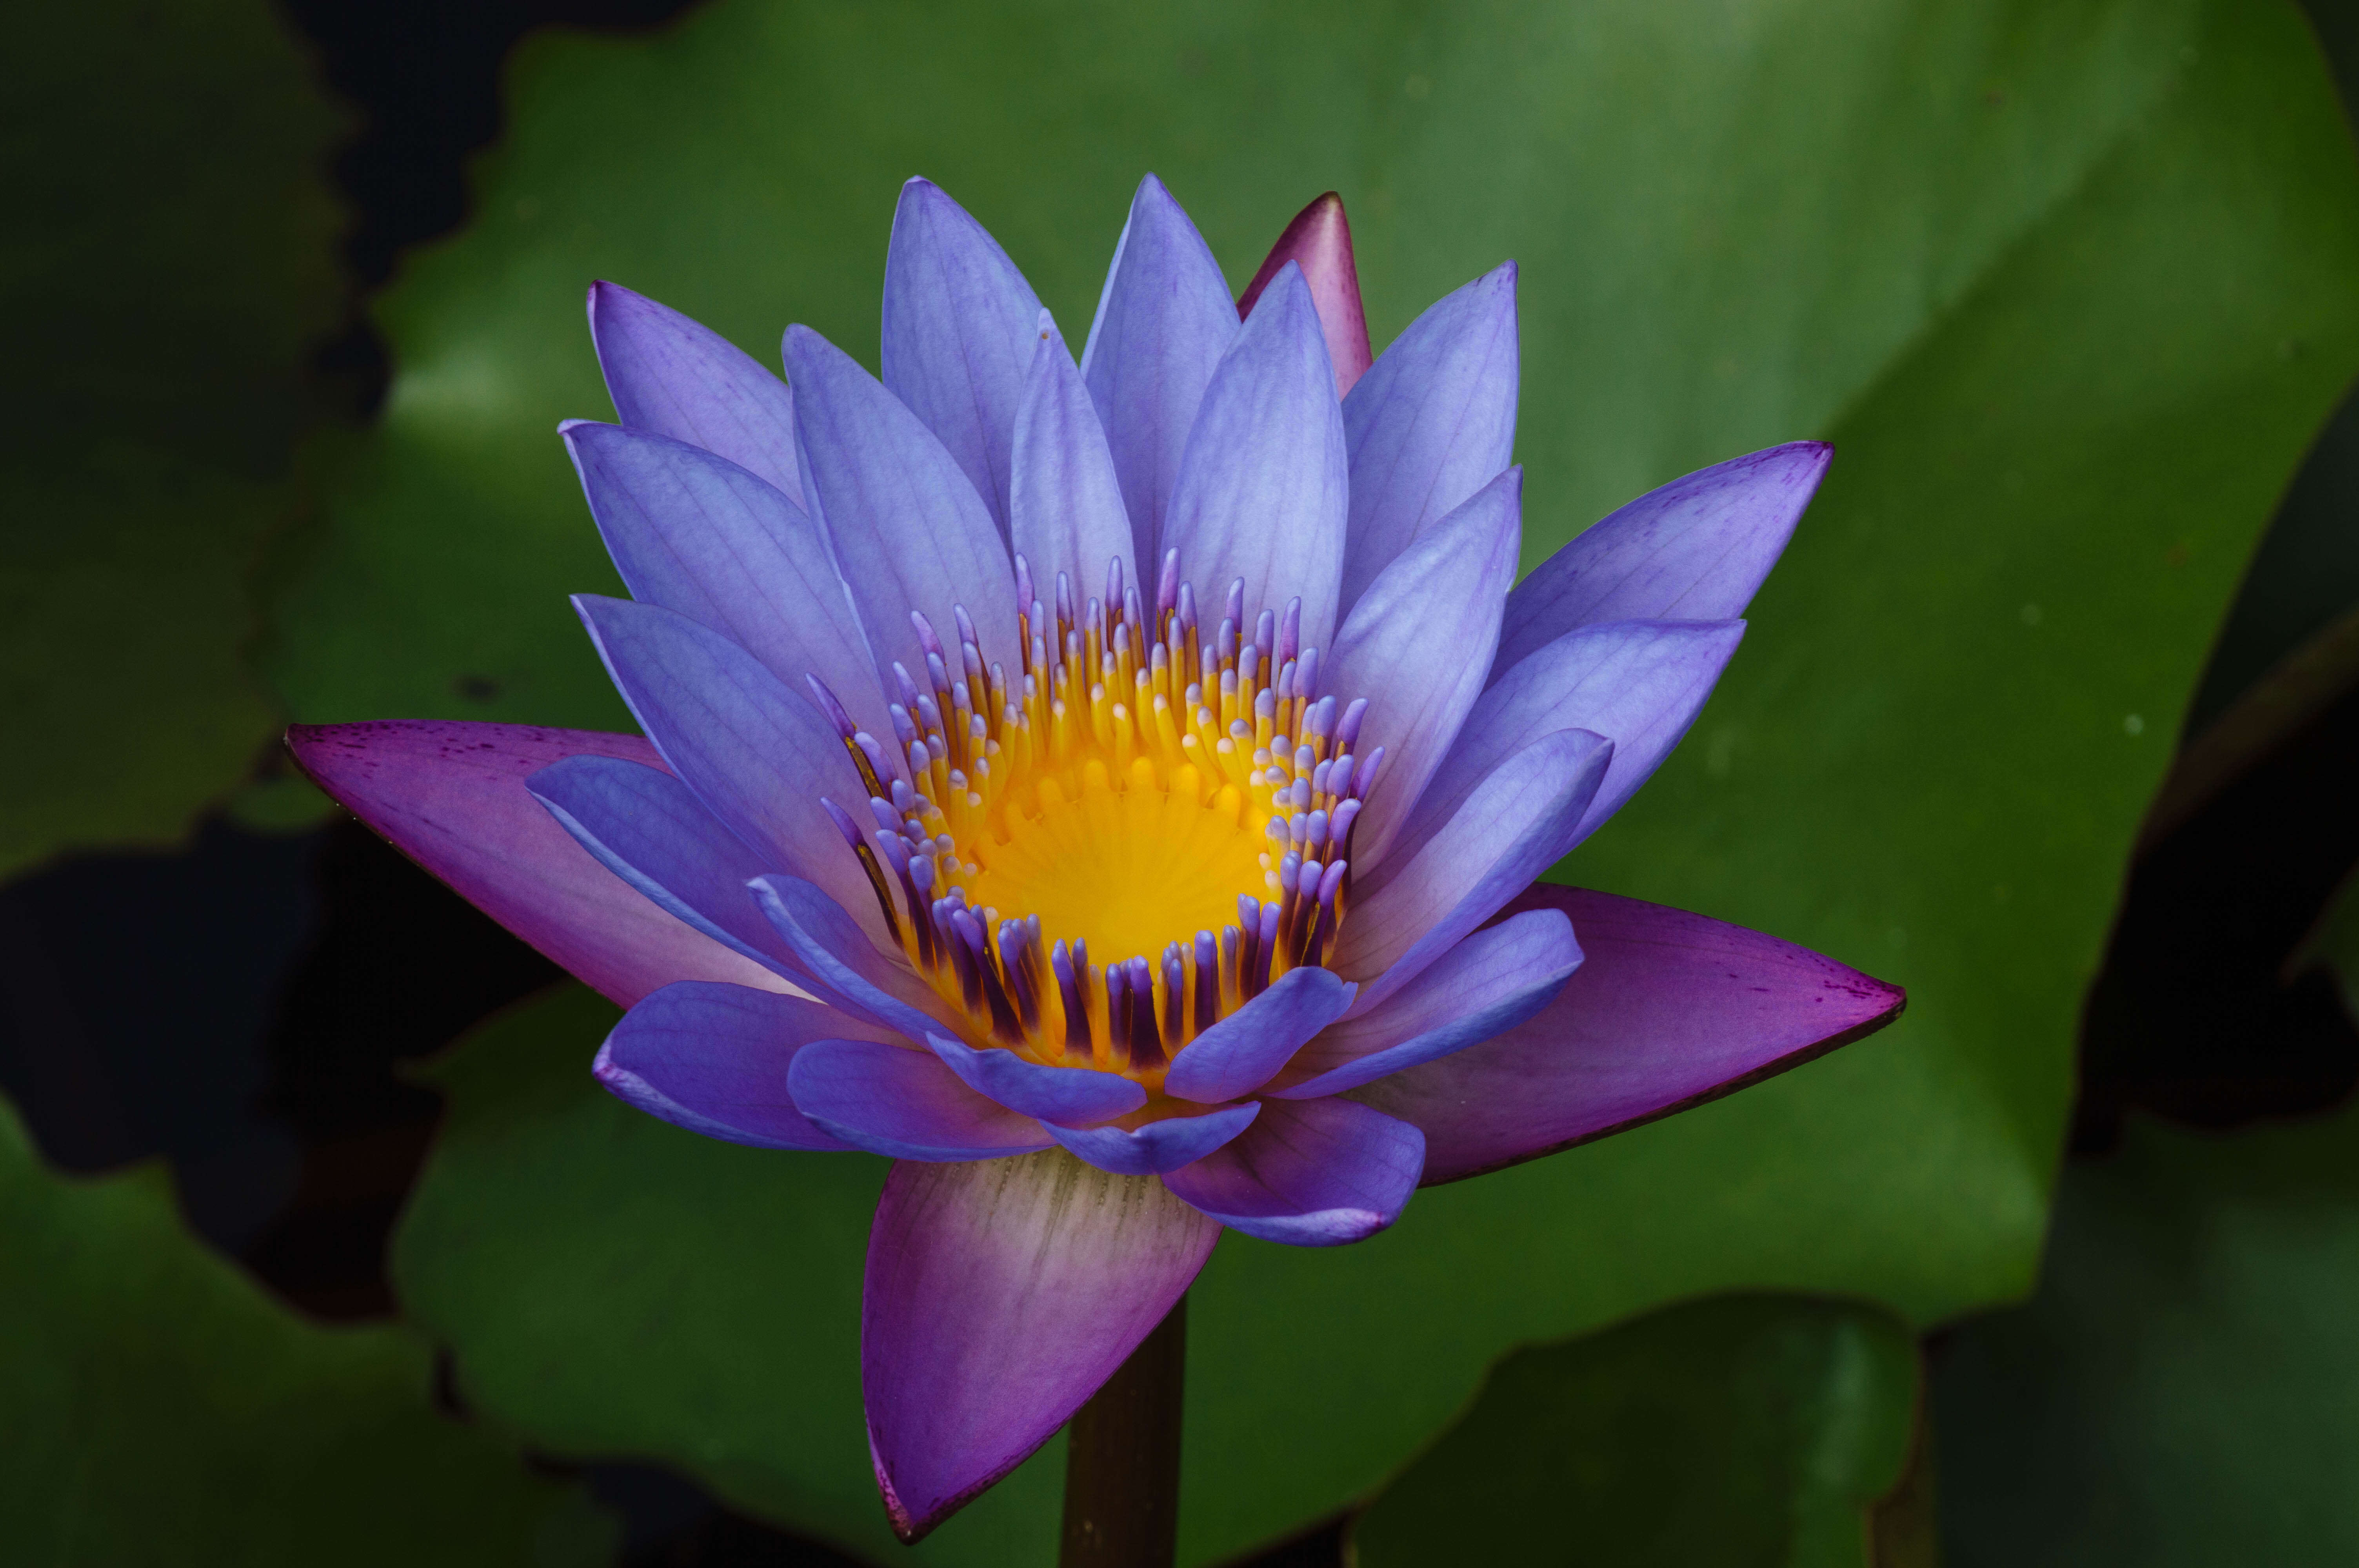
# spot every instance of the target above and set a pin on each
(2067, 284)
(2333, 942)
(161, 1409)
(167, 263)
(1741, 1432)
(2179, 1393)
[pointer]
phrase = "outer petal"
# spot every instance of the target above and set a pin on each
(1264, 489)
(909, 531)
(958, 334)
(714, 1059)
(757, 753)
(1062, 1096)
(1518, 823)
(1433, 420)
(999, 1297)
(1163, 322)
(1417, 646)
(844, 968)
(1066, 504)
(698, 535)
(451, 797)
(1642, 683)
(1313, 1173)
(1320, 241)
(1670, 1010)
(1157, 1146)
(898, 1102)
(1241, 1052)
(681, 379)
(1694, 550)
(1491, 981)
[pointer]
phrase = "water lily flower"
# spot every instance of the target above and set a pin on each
(1115, 789)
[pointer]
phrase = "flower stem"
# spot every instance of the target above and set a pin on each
(1122, 1459)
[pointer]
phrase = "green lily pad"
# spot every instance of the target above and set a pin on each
(2179, 1393)
(163, 1410)
(2067, 284)
(1741, 1432)
(167, 265)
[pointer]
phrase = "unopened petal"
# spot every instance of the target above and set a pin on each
(1319, 240)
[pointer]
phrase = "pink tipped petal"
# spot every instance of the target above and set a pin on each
(999, 1297)
(714, 1059)
(844, 965)
(1066, 505)
(1516, 824)
(1639, 683)
(1164, 320)
(1320, 241)
(1670, 1010)
(1317, 1173)
(1263, 492)
(756, 753)
(1694, 550)
(1244, 1050)
(1067, 1097)
(909, 531)
(898, 1101)
(1430, 424)
(1158, 1146)
(1419, 644)
(1491, 981)
(958, 334)
(650, 829)
(698, 535)
(680, 378)
(451, 797)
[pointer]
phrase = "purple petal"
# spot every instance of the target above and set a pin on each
(844, 967)
(714, 1059)
(451, 797)
(757, 753)
(1263, 492)
(1066, 504)
(1242, 1051)
(1639, 683)
(909, 530)
(999, 1297)
(1493, 980)
(1516, 824)
(1157, 1146)
(1164, 320)
(896, 1101)
(648, 829)
(1320, 241)
(1064, 1096)
(958, 334)
(698, 535)
(1670, 1010)
(681, 379)
(1694, 550)
(1417, 646)
(1313, 1173)
(1430, 424)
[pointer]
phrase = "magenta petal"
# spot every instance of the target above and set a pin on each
(1242, 1051)
(1695, 550)
(1670, 1009)
(1491, 981)
(1158, 1146)
(999, 1297)
(1063, 1096)
(451, 797)
(1320, 241)
(714, 1058)
(844, 967)
(898, 1102)
(1313, 1173)
(680, 378)
(1065, 504)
